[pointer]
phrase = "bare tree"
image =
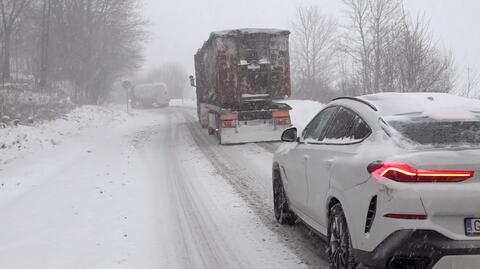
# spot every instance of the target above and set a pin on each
(357, 42)
(313, 51)
(422, 67)
(369, 36)
(392, 51)
(45, 39)
(471, 86)
(95, 42)
(10, 11)
(384, 16)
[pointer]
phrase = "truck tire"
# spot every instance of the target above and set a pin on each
(219, 137)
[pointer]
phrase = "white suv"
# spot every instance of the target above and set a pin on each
(389, 180)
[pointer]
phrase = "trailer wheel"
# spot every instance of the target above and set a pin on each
(219, 137)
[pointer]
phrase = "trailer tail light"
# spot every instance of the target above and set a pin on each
(228, 124)
(283, 121)
(282, 117)
(229, 117)
(281, 114)
(401, 172)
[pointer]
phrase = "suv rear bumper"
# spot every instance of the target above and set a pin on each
(415, 249)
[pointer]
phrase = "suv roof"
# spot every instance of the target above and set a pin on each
(244, 31)
(390, 104)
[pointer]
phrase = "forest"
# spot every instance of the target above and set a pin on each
(78, 47)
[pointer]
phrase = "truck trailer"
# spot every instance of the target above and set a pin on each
(241, 77)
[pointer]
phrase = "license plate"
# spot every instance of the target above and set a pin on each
(472, 226)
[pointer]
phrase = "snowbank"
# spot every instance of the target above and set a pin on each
(19, 101)
(18, 141)
(303, 111)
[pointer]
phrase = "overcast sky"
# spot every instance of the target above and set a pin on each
(179, 27)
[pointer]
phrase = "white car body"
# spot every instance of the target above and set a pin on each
(429, 217)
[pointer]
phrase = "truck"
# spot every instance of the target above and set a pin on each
(153, 95)
(242, 77)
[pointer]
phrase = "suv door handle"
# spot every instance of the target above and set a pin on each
(329, 163)
(306, 157)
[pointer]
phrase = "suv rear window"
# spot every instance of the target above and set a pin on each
(438, 133)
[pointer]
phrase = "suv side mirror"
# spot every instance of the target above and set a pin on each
(290, 135)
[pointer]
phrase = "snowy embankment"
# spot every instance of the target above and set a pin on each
(20, 140)
(303, 111)
(21, 102)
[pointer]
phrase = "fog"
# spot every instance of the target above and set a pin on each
(179, 27)
(110, 158)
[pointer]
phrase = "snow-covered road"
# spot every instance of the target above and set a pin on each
(153, 191)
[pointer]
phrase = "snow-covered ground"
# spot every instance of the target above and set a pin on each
(151, 190)
(22, 140)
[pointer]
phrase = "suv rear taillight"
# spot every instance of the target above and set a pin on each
(401, 172)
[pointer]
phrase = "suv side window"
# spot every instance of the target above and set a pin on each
(317, 127)
(362, 130)
(345, 128)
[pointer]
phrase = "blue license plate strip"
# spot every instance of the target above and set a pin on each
(472, 226)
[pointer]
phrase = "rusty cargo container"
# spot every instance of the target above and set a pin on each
(239, 75)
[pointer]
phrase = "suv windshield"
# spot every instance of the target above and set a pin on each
(438, 133)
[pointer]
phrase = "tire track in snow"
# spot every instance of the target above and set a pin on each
(270, 147)
(207, 250)
(310, 248)
(204, 239)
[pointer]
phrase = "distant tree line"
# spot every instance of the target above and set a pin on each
(380, 48)
(471, 85)
(83, 45)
